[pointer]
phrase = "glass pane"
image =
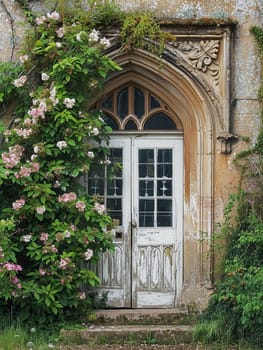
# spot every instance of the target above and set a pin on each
(138, 103)
(146, 156)
(164, 166)
(146, 188)
(164, 188)
(116, 155)
(114, 209)
(164, 205)
(146, 163)
(164, 212)
(122, 103)
(146, 213)
(146, 205)
(114, 187)
(111, 122)
(146, 220)
(164, 170)
(114, 158)
(146, 170)
(114, 204)
(165, 155)
(96, 171)
(96, 187)
(107, 103)
(131, 125)
(164, 219)
(160, 121)
(154, 103)
(116, 215)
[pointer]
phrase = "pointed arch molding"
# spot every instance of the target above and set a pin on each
(202, 54)
(189, 103)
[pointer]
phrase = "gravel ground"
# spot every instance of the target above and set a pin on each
(142, 347)
(130, 347)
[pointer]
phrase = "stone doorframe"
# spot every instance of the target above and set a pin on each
(194, 82)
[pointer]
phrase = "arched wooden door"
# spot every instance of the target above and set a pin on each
(146, 200)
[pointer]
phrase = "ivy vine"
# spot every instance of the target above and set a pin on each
(236, 307)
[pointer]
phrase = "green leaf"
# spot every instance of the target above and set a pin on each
(71, 142)
(75, 173)
(108, 128)
(47, 302)
(54, 310)
(102, 72)
(43, 199)
(48, 151)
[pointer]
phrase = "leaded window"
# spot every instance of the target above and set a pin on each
(132, 108)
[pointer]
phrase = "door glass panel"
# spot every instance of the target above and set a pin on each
(96, 187)
(114, 192)
(164, 188)
(110, 189)
(114, 209)
(146, 156)
(146, 170)
(164, 212)
(164, 220)
(146, 188)
(146, 213)
(164, 166)
(96, 171)
(155, 170)
(146, 163)
(114, 187)
(164, 205)
(116, 157)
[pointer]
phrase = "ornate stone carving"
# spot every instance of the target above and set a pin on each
(227, 140)
(201, 55)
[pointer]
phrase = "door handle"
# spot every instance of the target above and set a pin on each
(134, 224)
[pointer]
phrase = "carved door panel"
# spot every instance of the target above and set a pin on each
(146, 199)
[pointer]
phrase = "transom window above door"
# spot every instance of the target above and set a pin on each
(132, 107)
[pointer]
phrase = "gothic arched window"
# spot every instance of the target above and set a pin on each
(131, 108)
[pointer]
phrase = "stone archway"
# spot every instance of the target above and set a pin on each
(190, 103)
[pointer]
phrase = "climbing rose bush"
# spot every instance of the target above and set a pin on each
(50, 229)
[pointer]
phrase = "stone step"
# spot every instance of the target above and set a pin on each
(131, 334)
(142, 316)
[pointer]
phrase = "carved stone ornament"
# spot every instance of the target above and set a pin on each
(201, 55)
(227, 140)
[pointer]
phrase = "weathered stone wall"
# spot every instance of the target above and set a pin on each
(244, 110)
(12, 27)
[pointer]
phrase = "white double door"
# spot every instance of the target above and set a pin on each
(146, 199)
